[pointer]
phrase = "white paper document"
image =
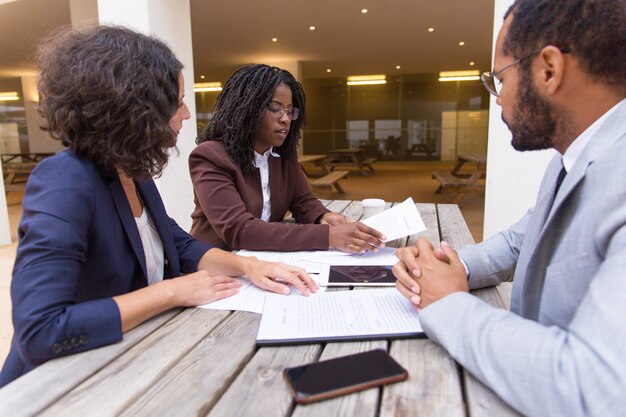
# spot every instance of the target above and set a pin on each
(399, 221)
(252, 298)
(301, 259)
(385, 256)
(341, 315)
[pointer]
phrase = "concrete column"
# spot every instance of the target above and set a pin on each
(170, 21)
(513, 177)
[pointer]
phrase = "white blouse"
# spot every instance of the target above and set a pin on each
(262, 162)
(152, 247)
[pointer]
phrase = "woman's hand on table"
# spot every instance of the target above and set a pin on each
(201, 288)
(276, 276)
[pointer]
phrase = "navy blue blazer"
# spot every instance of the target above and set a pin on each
(78, 247)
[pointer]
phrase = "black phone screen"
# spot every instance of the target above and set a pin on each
(344, 374)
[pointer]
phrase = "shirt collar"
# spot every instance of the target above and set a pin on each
(573, 152)
(259, 159)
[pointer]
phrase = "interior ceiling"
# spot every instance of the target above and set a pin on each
(228, 34)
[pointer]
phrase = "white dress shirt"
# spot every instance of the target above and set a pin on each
(262, 162)
(152, 247)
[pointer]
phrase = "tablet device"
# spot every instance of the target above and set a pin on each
(360, 275)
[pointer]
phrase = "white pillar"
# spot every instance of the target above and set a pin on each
(512, 177)
(170, 21)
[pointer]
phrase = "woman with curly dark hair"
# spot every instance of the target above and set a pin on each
(246, 174)
(97, 253)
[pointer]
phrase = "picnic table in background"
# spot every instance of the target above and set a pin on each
(350, 158)
(17, 167)
(461, 182)
(197, 362)
(324, 178)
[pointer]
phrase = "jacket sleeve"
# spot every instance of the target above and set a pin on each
(214, 181)
(189, 250)
(305, 207)
(54, 240)
(493, 261)
(578, 370)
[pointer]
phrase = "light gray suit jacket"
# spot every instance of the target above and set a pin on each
(561, 351)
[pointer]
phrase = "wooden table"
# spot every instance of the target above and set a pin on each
(318, 161)
(196, 362)
(25, 157)
(350, 158)
(479, 160)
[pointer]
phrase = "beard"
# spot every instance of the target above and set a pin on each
(534, 123)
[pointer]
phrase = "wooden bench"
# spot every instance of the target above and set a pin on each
(328, 180)
(450, 182)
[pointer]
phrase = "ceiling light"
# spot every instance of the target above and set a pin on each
(471, 75)
(431, 29)
(10, 96)
(203, 87)
(274, 39)
(472, 63)
(461, 43)
(328, 70)
(202, 77)
(311, 27)
(363, 11)
(366, 79)
(397, 66)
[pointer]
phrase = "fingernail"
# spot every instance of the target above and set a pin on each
(416, 300)
(285, 290)
(383, 238)
(416, 272)
(444, 243)
(415, 290)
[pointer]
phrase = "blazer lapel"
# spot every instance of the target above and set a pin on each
(128, 221)
(543, 238)
(152, 202)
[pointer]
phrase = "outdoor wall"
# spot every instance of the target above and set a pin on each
(512, 177)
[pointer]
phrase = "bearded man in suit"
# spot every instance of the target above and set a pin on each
(560, 78)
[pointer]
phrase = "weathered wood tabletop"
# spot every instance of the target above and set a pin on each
(197, 362)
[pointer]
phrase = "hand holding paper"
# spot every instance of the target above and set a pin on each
(399, 221)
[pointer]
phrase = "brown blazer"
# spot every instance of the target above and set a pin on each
(229, 204)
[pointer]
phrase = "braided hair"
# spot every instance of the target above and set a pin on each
(239, 109)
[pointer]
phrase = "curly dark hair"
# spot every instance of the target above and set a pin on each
(239, 109)
(594, 31)
(108, 93)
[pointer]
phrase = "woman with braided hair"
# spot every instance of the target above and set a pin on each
(246, 174)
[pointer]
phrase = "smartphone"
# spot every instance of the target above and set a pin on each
(343, 375)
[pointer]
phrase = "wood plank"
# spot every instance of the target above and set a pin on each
(260, 389)
(428, 212)
(454, 230)
(195, 384)
(362, 404)
(481, 401)
(433, 387)
(338, 206)
(33, 392)
(118, 385)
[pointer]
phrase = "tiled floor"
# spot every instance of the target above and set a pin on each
(392, 181)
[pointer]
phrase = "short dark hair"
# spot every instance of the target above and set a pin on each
(239, 109)
(594, 31)
(108, 93)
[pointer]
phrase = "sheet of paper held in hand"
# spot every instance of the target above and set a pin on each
(399, 221)
(341, 315)
(251, 298)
